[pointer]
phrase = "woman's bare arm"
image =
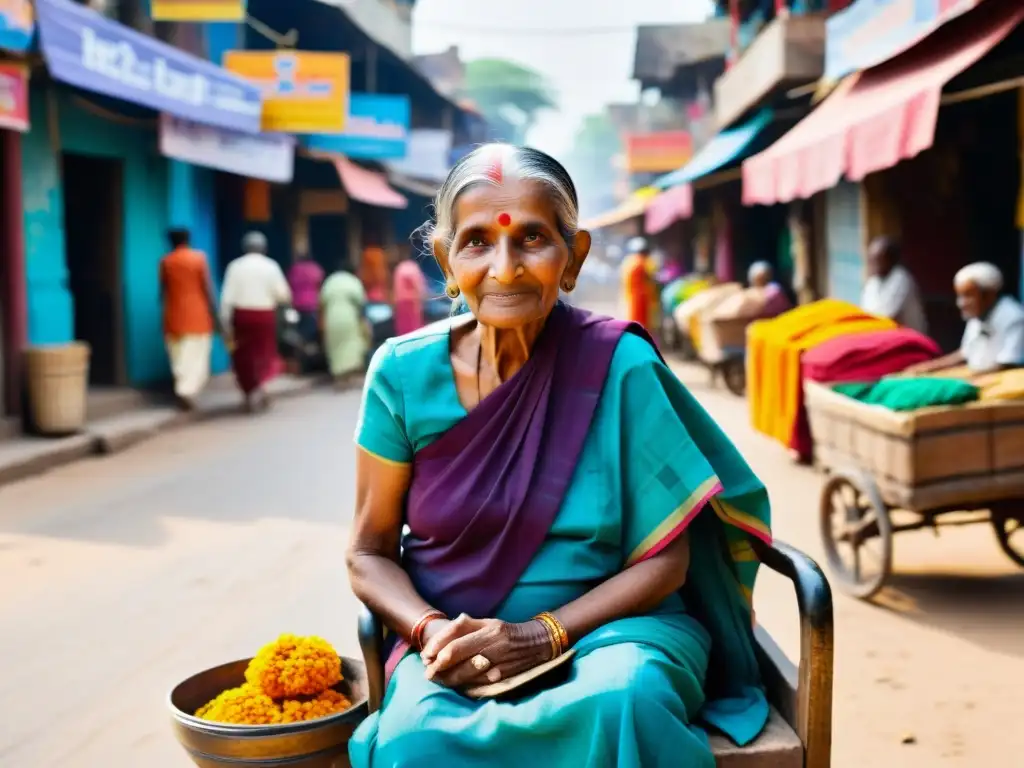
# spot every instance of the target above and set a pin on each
(634, 591)
(377, 578)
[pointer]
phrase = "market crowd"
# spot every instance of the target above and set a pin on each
(305, 320)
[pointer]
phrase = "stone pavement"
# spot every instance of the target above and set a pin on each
(27, 455)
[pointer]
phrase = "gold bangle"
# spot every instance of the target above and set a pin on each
(559, 629)
(559, 637)
(552, 636)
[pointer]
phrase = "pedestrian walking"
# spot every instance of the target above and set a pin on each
(189, 316)
(373, 271)
(410, 290)
(342, 306)
(305, 278)
(254, 290)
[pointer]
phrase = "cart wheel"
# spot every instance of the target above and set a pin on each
(735, 374)
(853, 518)
(1010, 535)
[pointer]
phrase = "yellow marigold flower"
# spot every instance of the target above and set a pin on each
(245, 705)
(327, 703)
(292, 667)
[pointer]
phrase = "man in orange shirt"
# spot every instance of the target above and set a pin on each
(189, 316)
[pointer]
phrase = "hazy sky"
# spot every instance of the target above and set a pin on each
(584, 47)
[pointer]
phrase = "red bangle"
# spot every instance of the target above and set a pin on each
(416, 636)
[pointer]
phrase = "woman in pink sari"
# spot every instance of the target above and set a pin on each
(410, 289)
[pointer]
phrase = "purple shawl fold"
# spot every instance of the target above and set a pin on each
(485, 494)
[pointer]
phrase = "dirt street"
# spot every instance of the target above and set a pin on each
(120, 576)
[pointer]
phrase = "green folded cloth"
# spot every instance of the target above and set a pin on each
(911, 393)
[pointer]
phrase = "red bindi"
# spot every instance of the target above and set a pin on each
(504, 219)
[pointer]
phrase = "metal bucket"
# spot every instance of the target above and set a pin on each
(321, 743)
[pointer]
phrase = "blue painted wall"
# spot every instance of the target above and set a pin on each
(145, 220)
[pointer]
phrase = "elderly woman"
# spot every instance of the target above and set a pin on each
(562, 490)
(994, 337)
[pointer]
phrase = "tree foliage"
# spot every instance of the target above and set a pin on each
(508, 94)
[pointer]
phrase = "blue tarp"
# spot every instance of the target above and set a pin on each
(727, 147)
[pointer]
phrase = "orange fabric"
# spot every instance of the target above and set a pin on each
(373, 272)
(184, 276)
(774, 348)
(638, 290)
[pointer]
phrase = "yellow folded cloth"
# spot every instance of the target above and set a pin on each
(774, 348)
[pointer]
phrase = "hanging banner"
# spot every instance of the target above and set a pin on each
(427, 156)
(658, 152)
(266, 156)
(302, 92)
(377, 128)
(89, 51)
(198, 10)
(872, 31)
(14, 96)
(17, 23)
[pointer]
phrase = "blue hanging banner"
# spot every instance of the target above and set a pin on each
(377, 128)
(87, 50)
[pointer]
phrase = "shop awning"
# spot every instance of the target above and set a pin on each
(634, 206)
(727, 147)
(366, 186)
(877, 118)
(667, 208)
(89, 51)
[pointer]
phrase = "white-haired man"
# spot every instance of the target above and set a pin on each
(768, 292)
(994, 336)
(890, 290)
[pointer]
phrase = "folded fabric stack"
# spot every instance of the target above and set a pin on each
(774, 351)
(1001, 385)
(911, 393)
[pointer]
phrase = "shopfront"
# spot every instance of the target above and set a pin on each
(101, 197)
(16, 30)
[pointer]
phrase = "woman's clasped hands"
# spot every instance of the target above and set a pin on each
(466, 652)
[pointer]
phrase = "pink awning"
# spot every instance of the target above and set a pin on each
(667, 208)
(877, 118)
(367, 186)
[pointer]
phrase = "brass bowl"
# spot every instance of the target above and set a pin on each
(321, 743)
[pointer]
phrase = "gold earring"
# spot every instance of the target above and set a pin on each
(568, 284)
(452, 290)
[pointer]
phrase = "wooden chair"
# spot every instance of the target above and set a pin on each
(799, 730)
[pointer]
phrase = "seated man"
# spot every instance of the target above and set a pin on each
(890, 290)
(994, 337)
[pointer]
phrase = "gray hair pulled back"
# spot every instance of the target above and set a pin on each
(490, 164)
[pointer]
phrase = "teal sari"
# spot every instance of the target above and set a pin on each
(641, 689)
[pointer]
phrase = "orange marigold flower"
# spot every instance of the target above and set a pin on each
(327, 703)
(292, 667)
(245, 705)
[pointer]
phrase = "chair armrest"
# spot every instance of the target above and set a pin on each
(803, 695)
(371, 642)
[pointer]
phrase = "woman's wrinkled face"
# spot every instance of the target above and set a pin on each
(508, 256)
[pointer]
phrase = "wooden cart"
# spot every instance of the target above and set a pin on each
(891, 472)
(799, 730)
(724, 350)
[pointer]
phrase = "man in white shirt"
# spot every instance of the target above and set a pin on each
(890, 290)
(994, 336)
(254, 288)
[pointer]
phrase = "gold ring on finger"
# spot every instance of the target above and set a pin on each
(480, 663)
